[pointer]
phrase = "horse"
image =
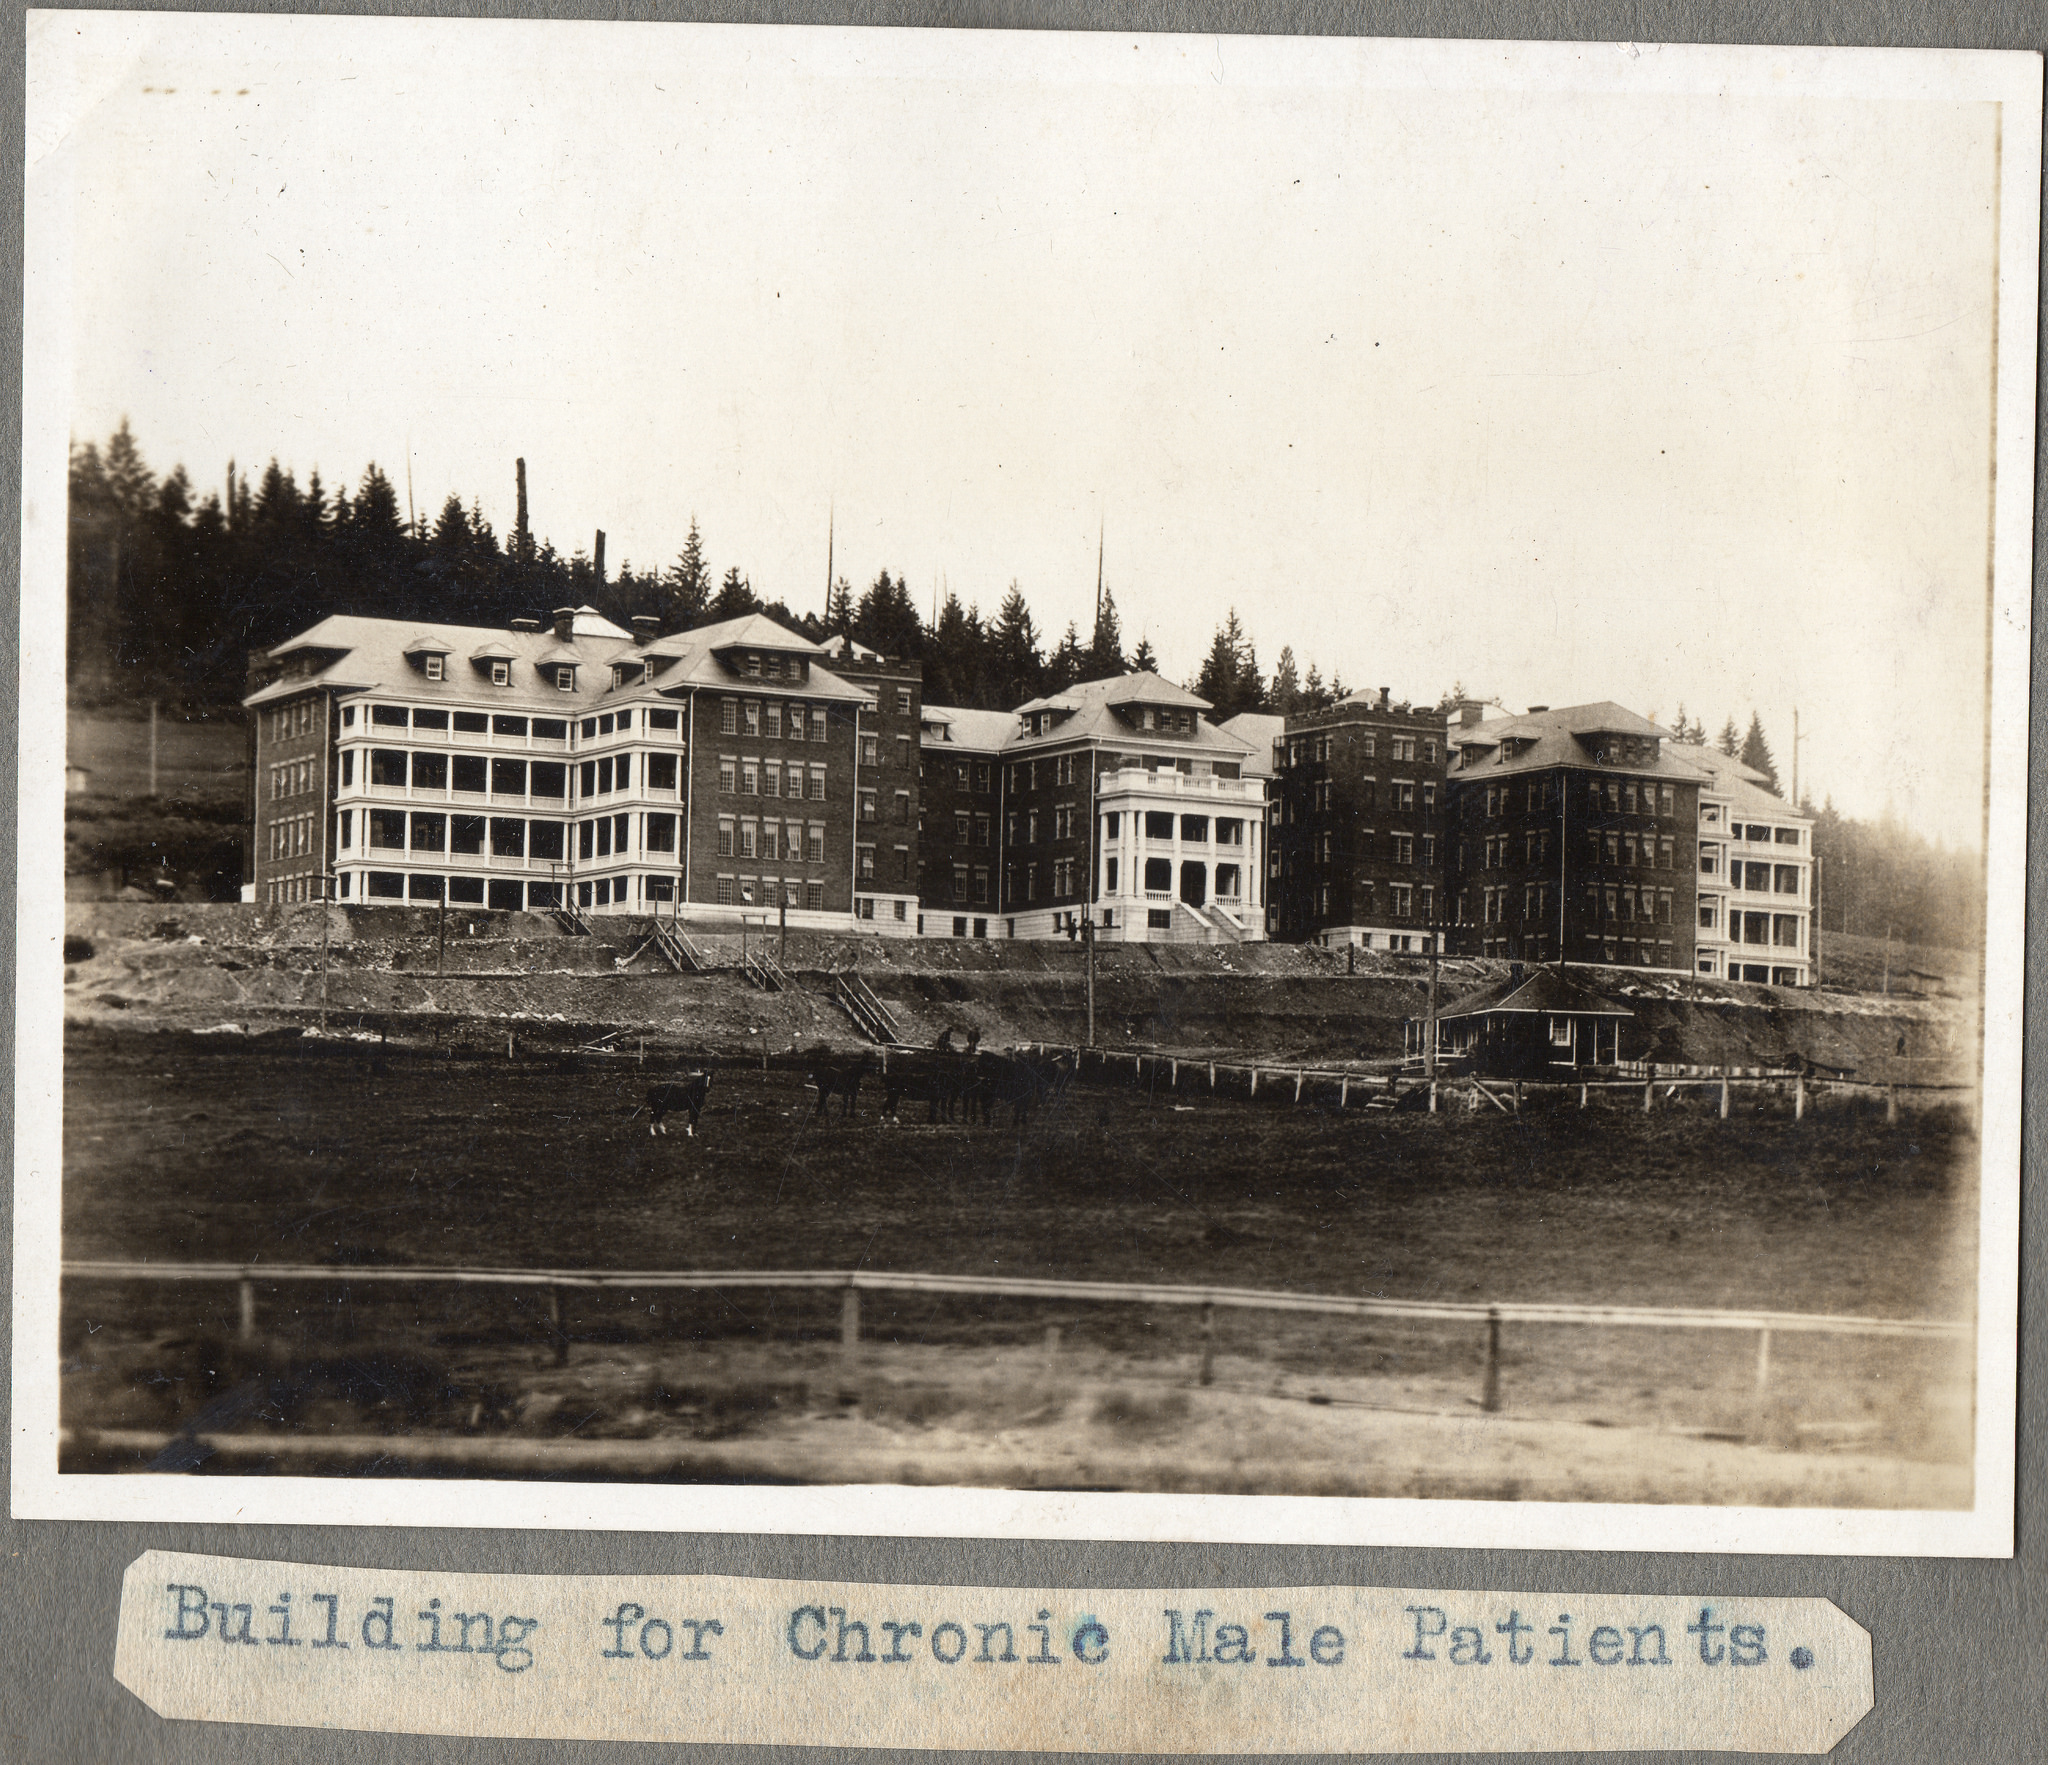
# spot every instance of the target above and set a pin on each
(1018, 1080)
(676, 1097)
(837, 1073)
(938, 1079)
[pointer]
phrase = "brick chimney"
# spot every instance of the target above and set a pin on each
(645, 628)
(565, 625)
(1470, 712)
(526, 625)
(1386, 697)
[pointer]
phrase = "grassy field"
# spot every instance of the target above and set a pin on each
(211, 1148)
(116, 834)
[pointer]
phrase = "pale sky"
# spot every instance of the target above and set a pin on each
(1623, 394)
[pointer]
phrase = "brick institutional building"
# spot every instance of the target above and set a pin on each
(1574, 835)
(1591, 832)
(1116, 799)
(1359, 826)
(728, 770)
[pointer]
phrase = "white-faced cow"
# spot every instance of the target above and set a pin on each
(678, 1096)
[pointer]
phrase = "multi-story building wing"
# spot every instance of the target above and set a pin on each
(1755, 916)
(1115, 799)
(959, 861)
(576, 763)
(1261, 732)
(1574, 838)
(1360, 828)
(886, 787)
(1120, 796)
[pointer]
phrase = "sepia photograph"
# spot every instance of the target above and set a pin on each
(974, 782)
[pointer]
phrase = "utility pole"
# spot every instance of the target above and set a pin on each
(152, 747)
(1429, 1026)
(1088, 939)
(326, 926)
(784, 956)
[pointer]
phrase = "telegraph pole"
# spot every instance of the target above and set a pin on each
(326, 926)
(1088, 939)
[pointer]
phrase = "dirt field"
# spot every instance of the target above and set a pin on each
(183, 1147)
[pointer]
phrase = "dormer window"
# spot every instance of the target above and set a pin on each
(434, 667)
(565, 677)
(628, 673)
(501, 673)
(754, 667)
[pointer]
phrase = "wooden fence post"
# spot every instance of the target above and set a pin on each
(1432, 1096)
(1646, 1098)
(1799, 1098)
(1212, 1075)
(556, 1330)
(1489, 1397)
(849, 1327)
(1724, 1095)
(1343, 1093)
(1891, 1104)
(1583, 1091)
(246, 1294)
(1208, 1341)
(1255, 1081)
(1763, 1384)
(1518, 1096)
(1297, 1084)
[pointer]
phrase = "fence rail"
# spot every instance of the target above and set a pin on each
(850, 1284)
(1380, 1087)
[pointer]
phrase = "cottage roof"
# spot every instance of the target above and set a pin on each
(1541, 991)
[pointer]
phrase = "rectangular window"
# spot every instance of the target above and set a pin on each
(550, 778)
(387, 828)
(725, 837)
(586, 839)
(544, 840)
(771, 780)
(661, 773)
(865, 863)
(508, 836)
(660, 719)
(503, 725)
(388, 767)
(430, 833)
(749, 839)
(661, 833)
(814, 896)
(728, 721)
(750, 779)
(771, 842)
(508, 778)
(750, 717)
(774, 714)
(556, 729)
(817, 784)
(814, 846)
(1785, 879)
(728, 773)
(586, 778)
(501, 673)
(725, 891)
(466, 834)
(1404, 849)
(471, 723)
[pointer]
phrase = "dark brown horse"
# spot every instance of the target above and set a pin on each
(837, 1075)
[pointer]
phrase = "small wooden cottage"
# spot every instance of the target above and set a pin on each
(1535, 1024)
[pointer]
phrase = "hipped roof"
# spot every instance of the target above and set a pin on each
(1542, 991)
